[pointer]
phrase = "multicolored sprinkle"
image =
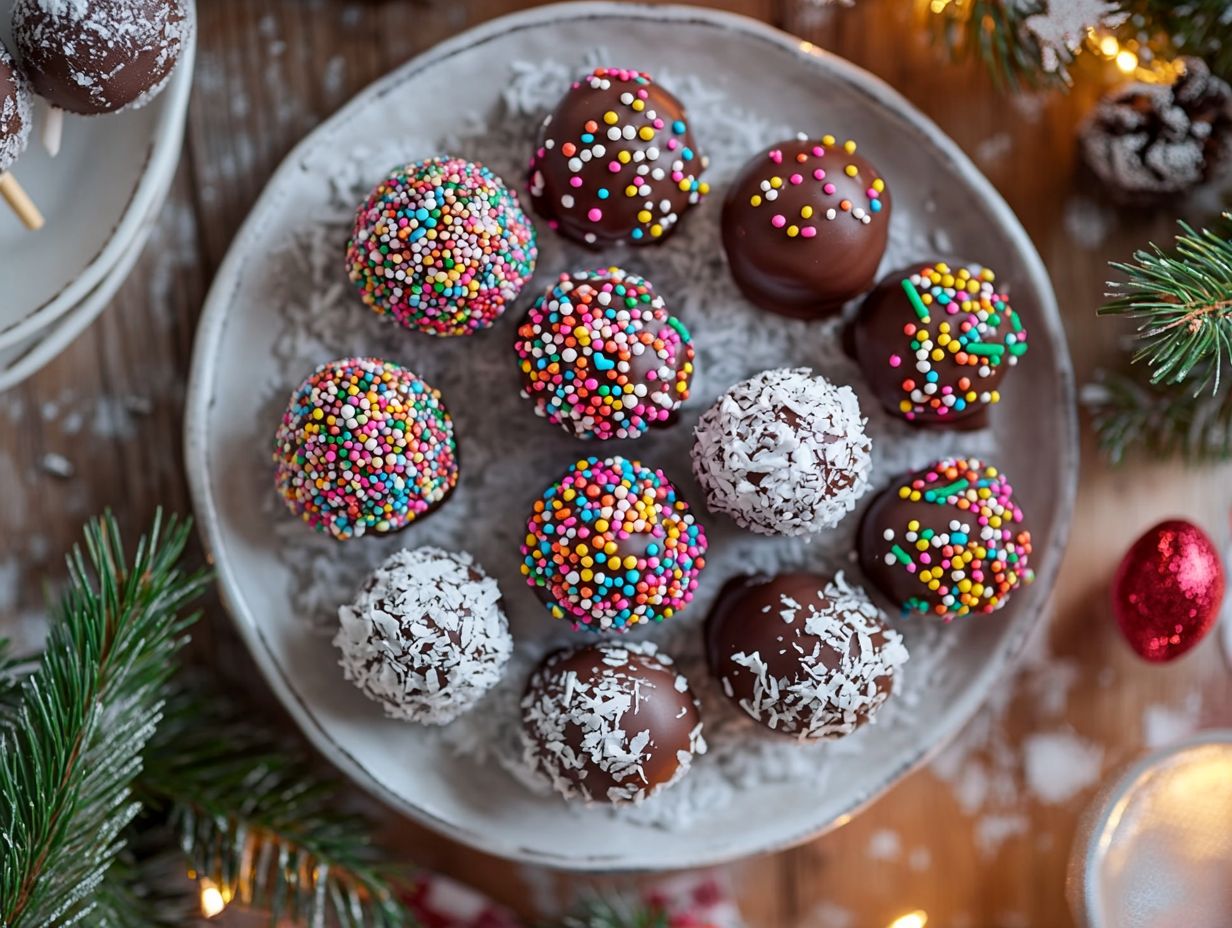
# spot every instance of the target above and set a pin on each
(979, 557)
(601, 356)
(962, 320)
(364, 445)
(616, 161)
(442, 246)
(612, 545)
(810, 168)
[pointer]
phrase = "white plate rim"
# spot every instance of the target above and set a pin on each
(213, 321)
(164, 149)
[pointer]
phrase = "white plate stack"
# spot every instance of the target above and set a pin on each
(100, 196)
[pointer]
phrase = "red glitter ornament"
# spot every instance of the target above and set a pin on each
(1167, 592)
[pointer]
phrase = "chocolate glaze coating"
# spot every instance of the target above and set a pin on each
(823, 646)
(969, 539)
(99, 56)
(933, 349)
(803, 231)
(14, 111)
(610, 722)
(616, 161)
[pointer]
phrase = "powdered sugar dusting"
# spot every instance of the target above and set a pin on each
(508, 455)
(783, 453)
(426, 636)
(14, 111)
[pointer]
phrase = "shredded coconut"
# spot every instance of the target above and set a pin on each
(783, 452)
(426, 636)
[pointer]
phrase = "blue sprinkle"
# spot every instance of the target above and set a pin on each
(602, 193)
(875, 206)
(686, 154)
(678, 127)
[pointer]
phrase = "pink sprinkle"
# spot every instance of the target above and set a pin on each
(796, 179)
(896, 361)
(672, 144)
(819, 174)
(614, 167)
(644, 93)
(575, 181)
(658, 122)
(808, 232)
(776, 156)
(595, 214)
(872, 194)
(818, 151)
(778, 220)
(829, 188)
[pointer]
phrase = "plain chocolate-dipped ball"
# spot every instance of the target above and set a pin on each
(99, 56)
(935, 340)
(610, 723)
(948, 540)
(14, 111)
(804, 655)
(616, 161)
(805, 226)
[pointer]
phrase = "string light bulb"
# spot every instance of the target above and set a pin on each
(916, 919)
(1126, 61)
(212, 900)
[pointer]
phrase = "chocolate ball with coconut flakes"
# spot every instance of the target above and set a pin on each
(801, 654)
(426, 636)
(783, 453)
(610, 723)
(99, 56)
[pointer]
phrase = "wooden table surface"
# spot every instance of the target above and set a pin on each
(981, 837)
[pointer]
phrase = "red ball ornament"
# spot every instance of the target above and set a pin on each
(1167, 592)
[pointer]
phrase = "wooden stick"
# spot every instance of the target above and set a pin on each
(20, 202)
(53, 129)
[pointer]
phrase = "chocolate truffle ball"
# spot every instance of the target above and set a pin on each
(616, 161)
(783, 453)
(602, 357)
(612, 544)
(99, 56)
(948, 540)
(610, 723)
(364, 445)
(934, 342)
(801, 654)
(805, 226)
(442, 246)
(425, 637)
(14, 111)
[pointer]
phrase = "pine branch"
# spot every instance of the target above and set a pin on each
(68, 759)
(1162, 421)
(13, 672)
(1183, 301)
(257, 820)
(1193, 27)
(995, 32)
(616, 912)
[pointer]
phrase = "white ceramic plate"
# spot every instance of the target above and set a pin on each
(249, 355)
(112, 172)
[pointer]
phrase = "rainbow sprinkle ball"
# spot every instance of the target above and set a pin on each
(364, 445)
(442, 246)
(611, 545)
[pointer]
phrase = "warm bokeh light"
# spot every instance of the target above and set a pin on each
(916, 919)
(1127, 61)
(1109, 46)
(212, 902)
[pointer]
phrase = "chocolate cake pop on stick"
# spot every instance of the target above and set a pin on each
(14, 133)
(97, 56)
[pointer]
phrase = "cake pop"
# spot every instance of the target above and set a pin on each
(97, 56)
(14, 133)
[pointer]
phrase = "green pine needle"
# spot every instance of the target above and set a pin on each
(995, 32)
(13, 672)
(616, 912)
(261, 823)
(1183, 300)
(68, 758)
(1161, 421)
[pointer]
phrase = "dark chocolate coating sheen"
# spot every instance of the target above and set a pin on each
(967, 332)
(747, 618)
(657, 706)
(804, 232)
(616, 161)
(98, 56)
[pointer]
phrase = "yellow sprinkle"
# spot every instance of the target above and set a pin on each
(644, 215)
(703, 187)
(776, 182)
(610, 117)
(646, 133)
(638, 105)
(656, 230)
(631, 190)
(851, 170)
(806, 212)
(879, 185)
(827, 140)
(755, 200)
(850, 147)
(624, 156)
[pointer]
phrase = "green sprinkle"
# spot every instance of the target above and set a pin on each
(920, 309)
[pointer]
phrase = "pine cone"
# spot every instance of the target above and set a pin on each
(1149, 142)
